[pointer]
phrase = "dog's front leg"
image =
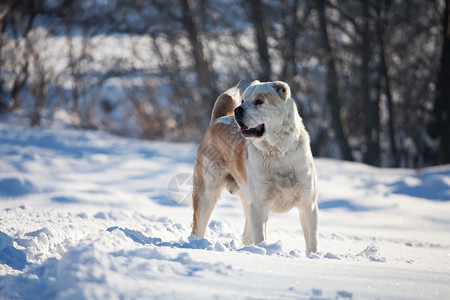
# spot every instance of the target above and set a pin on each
(258, 216)
(309, 219)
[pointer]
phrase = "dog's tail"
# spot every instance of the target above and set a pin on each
(225, 104)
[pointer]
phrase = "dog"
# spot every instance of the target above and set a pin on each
(259, 150)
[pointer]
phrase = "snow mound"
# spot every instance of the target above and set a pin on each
(9, 255)
(265, 248)
(373, 253)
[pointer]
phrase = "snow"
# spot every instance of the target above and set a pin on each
(87, 215)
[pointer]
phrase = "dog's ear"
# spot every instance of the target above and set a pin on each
(282, 89)
(255, 82)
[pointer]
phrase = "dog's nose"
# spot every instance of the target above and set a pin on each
(238, 112)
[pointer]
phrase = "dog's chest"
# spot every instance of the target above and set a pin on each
(278, 187)
(278, 181)
(283, 180)
(282, 190)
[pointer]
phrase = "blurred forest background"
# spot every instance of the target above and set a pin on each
(371, 78)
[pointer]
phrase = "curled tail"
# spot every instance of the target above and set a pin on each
(225, 104)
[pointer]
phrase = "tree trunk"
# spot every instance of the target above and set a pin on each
(439, 126)
(205, 75)
(21, 79)
(255, 13)
(387, 89)
(332, 94)
(288, 43)
(371, 106)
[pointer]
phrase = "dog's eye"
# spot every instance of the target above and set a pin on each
(258, 102)
(242, 101)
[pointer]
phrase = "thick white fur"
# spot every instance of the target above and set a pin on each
(279, 167)
(281, 172)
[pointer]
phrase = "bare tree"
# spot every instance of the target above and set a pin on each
(332, 94)
(383, 70)
(255, 13)
(371, 155)
(5, 9)
(205, 74)
(293, 18)
(439, 126)
(20, 19)
(39, 83)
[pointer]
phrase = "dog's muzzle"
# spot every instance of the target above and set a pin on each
(247, 132)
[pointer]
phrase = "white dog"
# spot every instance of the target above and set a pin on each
(263, 156)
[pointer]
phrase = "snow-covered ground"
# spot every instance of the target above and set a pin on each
(86, 215)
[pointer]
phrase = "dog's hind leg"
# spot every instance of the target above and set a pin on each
(206, 201)
(208, 184)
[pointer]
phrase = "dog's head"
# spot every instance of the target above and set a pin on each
(262, 109)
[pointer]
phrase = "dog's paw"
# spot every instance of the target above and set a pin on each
(192, 238)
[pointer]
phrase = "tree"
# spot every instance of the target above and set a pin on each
(332, 94)
(255, 13)
(19, 18)
(384, 74)
(439, 125)
(206, 76)
(371, 106)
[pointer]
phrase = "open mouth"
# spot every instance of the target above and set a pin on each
(257, 131)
